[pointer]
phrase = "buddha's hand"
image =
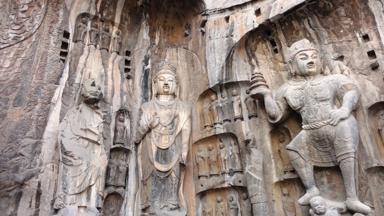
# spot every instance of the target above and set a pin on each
(155, 120)
(338, 115)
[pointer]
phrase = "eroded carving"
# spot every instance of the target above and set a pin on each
(122, 129)
(330, 135)
(164, 132)
(81, 181)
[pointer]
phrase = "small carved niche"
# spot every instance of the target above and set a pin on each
(122, 135)
(376, 121)
(207, 108)
(281, 136)
(217, 163)
(81, 28)
(112, 204)
(290, 191)
(226, 201)
(117, 170)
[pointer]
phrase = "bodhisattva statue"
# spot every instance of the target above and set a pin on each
(330, 133)
(164, 132)
(83, 159)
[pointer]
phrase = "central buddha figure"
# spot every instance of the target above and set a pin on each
(163, 133)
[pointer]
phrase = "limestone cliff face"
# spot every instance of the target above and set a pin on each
(237, 162)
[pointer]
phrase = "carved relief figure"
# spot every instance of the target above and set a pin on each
(319, 207)
(116, 41)
(214, 166)
(380, 118)
(83, 158)
(122, 131)
(224, 158)
(210, 116)
(251, 107)
(164, 132)
(81, 29)
(234, 157)
(212, 110)
(202, 161)
(225, 108)
(330, 134)
(105, 35)
(233, 206)
(94, 32)
(221, 207)
(288, 203)
(237, 109)
(117, 168)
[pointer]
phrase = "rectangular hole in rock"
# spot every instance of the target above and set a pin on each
(375, 65)
(64, 45)
(227, 18)
(258, 12)
(66, 34)
(127, 70)
(371, 54)
(127, 53)
(63, 54)
(127, 62)
(366, 37)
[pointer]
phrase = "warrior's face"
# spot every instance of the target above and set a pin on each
(307, 63)
(166, 84)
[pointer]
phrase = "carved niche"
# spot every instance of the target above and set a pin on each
(97, 31)
(218, 171)
(376, 122)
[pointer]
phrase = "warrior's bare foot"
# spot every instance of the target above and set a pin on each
(357, 206)
(312, 192)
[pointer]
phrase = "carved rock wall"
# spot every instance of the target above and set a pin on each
(237, 162)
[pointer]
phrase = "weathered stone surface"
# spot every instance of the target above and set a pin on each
(210, 147)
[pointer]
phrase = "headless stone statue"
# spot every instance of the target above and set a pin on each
(94, 32)
(116, 41)
(330, 133)
(164, 132)
(83, 158)
(81, 29)
(105, 36)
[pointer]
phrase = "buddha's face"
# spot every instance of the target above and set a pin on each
(307, 63)
(166, 84)
(318, 206)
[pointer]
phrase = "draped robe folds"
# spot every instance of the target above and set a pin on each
(160, 150)
(83, 157)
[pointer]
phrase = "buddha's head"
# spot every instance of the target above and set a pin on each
(165, 81)
(304, 59)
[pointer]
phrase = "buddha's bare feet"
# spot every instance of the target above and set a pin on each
(312, 192)
(357, 206)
